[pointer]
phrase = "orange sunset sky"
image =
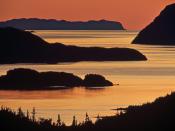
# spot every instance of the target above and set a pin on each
(133, 14)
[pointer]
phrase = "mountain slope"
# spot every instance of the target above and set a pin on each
(161, 31)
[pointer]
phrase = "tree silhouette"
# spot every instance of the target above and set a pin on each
(33, 114)
(20, 112)
(27, 114)
(74, 122)
(59, 120)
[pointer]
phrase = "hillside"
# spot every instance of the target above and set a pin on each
(161, 31)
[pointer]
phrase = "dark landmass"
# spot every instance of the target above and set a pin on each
(94, 80)
(156, 116)
(51, 24)
(161, 31)
(18, 46)
(27, 79)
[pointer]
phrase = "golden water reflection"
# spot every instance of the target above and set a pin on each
(139, 82)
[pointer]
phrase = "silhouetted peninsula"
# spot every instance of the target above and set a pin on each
(18, 46)
(161, 31)
(51, 24)
(27, 79)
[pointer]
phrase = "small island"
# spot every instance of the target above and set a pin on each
(95, 80)
(161, 31)
(28, 79)
(52, 24)
(19, 46)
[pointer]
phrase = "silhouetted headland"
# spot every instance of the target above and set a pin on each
(51, 24)
(161, 31)
(156, 116)
(28, 79)
(18, 46)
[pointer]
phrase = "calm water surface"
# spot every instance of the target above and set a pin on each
(140, 82)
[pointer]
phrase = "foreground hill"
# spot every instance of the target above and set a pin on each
(27, 79)
(18, 46)
(156, 116)
(51, 24)
(161, 31)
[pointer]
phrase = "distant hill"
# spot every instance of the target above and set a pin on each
(18, 46)
(51, 24)
(161, 31)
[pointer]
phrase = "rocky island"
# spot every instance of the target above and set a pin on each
(161, 31)
(18, 46)
(52, 24)
(28, 79)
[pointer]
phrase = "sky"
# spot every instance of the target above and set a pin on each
(133, 14)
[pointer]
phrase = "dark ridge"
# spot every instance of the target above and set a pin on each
(156, 116)
(18, 46)
(27, 79)
(161, 31)
(51, 24)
